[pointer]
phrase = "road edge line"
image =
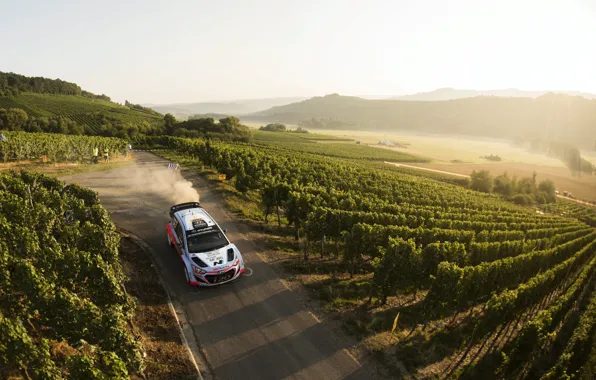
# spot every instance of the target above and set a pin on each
(185, 330)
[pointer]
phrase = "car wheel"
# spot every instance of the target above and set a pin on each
(170, 240)
(186, 275)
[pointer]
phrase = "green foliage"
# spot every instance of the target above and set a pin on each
(481, 181)
(584, 213)
(493, 158)
(15, 84)
(397, 266)
(342, 150)
(139, 107)
(275, 127)
(61, 283)
(228, 128)
(299, 130)
(524, 192)
(22, 146)
(402, 232)
(76, 115)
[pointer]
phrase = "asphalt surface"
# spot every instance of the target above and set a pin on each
(253, 328)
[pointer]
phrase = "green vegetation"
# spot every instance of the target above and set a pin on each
(305, 144)
(64, 312)
(139, 107)
(523, 192)
(78, 115)
(586, 214)
(291, 136)
(320, 137)
(276, 127)
(12, 84)
(46, 105)
(494, 158)
(228, 128)
(358, 152)
(467, 271)
(69, 114)
(21, 146)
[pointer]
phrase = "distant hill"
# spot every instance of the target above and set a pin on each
(38, 104)
(548, 116)
(235, 107)
(452, 93)
(80, 109)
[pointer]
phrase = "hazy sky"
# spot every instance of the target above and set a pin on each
(192, 50)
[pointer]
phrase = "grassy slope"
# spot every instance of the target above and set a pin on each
(75, 107)
(569, 118)
(333, 147)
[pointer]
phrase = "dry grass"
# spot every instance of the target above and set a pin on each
(166, 357)
(64, 168)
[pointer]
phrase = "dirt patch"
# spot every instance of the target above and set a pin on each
(64, 168)
(166, 356)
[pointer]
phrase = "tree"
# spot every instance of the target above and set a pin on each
(274, 127)
(548, 188)
(170, 123)
(481, 181)
(503, 185)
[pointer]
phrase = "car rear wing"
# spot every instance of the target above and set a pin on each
(183, 206)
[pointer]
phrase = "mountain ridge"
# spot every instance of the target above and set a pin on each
(551, 115)
(450, 93)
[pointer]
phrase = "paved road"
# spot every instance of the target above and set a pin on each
(254, 328)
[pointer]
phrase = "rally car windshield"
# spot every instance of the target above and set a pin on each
(205, 241)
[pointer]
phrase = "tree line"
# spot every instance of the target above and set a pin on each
(12, 84)
(100, 124)
(525, 191)
(139, 107)
(227, 128)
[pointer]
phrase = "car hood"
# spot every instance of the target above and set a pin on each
(218, 258)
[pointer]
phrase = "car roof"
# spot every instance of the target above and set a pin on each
(194, 218)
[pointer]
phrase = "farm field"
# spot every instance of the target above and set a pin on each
(466, 277)
(83, 110)
(325, 145)
(444, 150)
(118, 324)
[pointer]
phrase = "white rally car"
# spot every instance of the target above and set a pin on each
(208, 256)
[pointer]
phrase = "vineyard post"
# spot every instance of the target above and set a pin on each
(306, 244)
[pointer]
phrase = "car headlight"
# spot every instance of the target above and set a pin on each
(198, 271)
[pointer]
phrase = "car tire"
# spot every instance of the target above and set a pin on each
(170, 241)
(186, 275)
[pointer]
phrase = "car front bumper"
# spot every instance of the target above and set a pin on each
(218, 277)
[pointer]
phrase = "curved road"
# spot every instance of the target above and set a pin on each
(253, 328)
